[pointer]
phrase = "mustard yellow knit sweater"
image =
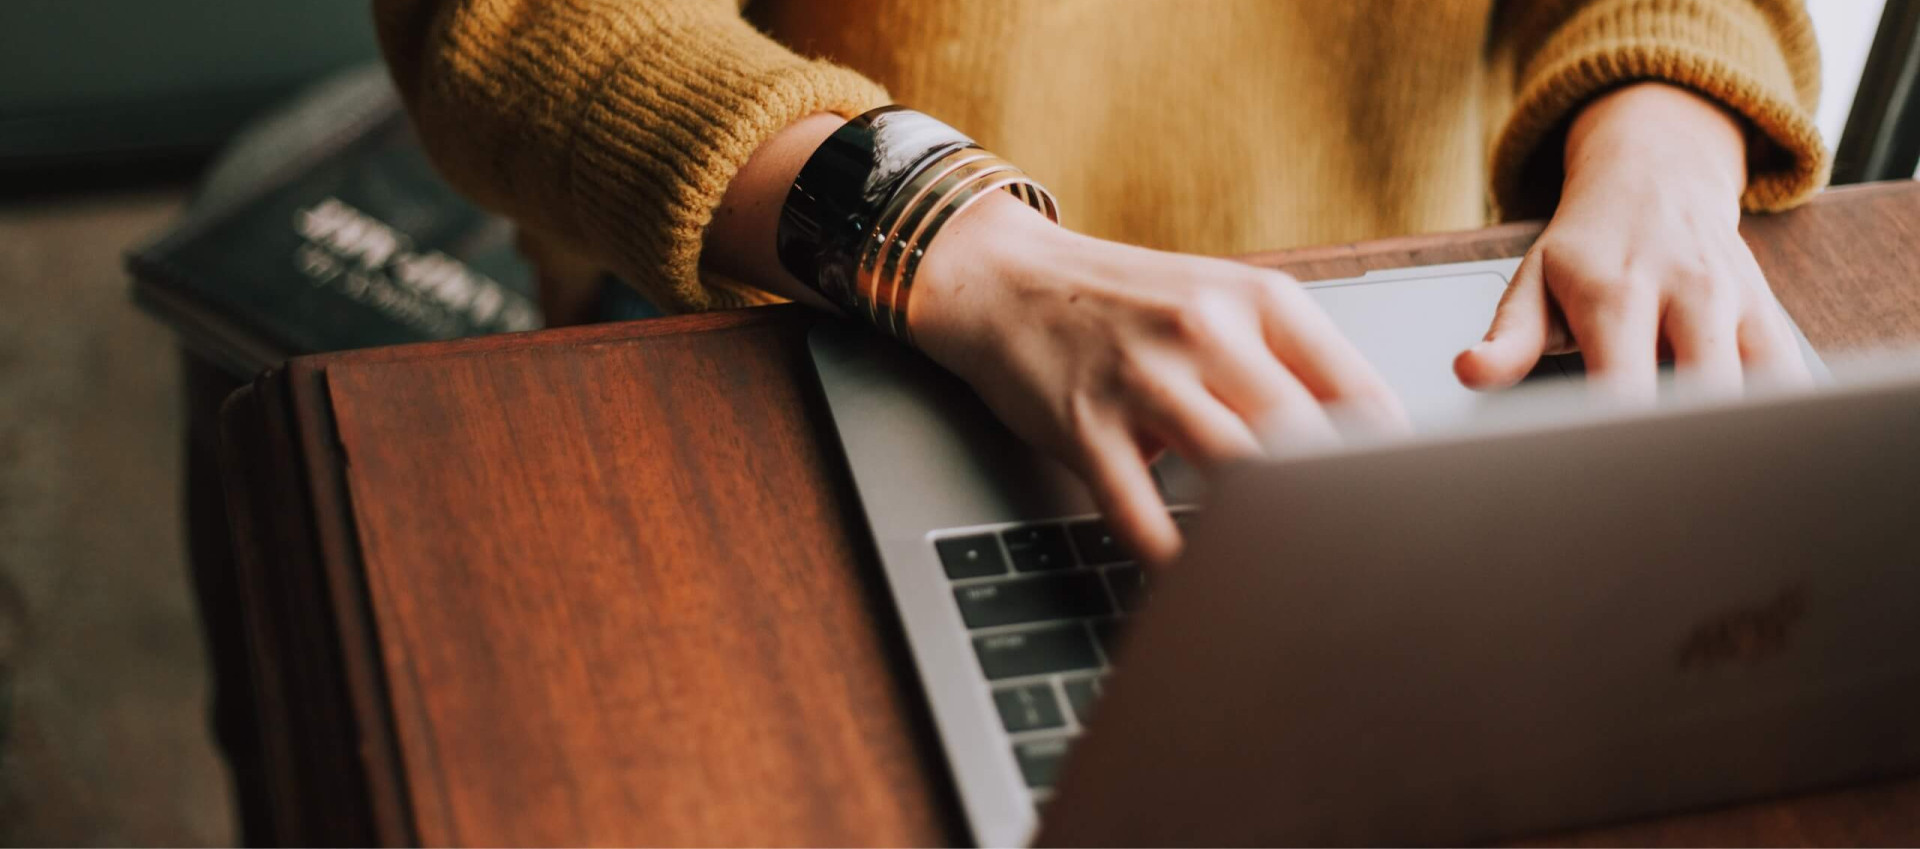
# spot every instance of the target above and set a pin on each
(1208, 126)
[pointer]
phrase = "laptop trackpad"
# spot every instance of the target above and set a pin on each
(1411, 328)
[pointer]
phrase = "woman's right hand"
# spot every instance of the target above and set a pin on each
(1101, 353)
(1104, 354)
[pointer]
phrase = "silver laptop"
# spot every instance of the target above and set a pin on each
(1488, 636)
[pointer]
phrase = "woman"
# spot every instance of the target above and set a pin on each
(663, 139)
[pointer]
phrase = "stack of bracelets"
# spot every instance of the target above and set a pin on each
(871, 199)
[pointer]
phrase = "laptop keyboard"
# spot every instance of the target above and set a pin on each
(1044, 604)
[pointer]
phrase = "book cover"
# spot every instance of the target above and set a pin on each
(334, 232)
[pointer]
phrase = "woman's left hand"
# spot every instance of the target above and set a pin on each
(1644, 256)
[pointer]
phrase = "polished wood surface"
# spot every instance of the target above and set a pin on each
(612, 585)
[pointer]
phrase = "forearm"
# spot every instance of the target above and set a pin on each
(1756, 58)
(1649, 125)
(631, 166)
(740, 242)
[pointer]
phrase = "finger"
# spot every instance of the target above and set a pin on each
(1322, 361)
(1195, 424)
(1769, 346)
(1300, 423)
(1275, 405)
(1246, 376)
(1617, 329)
(1296, 422)
(1518, 335)
(1704, 337)
(1110, 462)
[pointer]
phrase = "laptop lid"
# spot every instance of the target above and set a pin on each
(1452, 640)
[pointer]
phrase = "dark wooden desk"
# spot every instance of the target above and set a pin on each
(611, 584)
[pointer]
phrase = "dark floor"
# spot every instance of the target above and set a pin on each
(103, 738)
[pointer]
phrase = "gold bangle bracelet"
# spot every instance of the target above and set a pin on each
(891, 258)
(870, 199)
(885, 229)
(881, 272)
(1017, 184)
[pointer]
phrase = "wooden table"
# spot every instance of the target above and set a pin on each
(611, 584)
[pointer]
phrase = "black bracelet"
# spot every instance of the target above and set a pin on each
(844, 187)
(873, 197)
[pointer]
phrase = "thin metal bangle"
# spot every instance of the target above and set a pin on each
(898, 286)
(886, 276)
(1019, 185)
(872, 197)
(880, 268)
(911, 195)
(876, 276)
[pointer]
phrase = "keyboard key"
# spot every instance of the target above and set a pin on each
(1057, 649)
(1081, 693)
(1040, 760)
(1096, 544)
(1028, 708)
(1074, 595)
(1038, 548)
(1129, 586)
(1109, 632)
(976, 556)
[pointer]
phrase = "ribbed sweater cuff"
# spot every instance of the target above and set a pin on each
(1730, 51)
(657, 148)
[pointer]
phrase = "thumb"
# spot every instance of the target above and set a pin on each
(1518, 337)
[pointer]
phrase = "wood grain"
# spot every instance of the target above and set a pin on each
(672, 620)
(611, 584)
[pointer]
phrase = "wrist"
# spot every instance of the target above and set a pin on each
(739, 242)
(870, 202)
(962, 277)
(1660, 133)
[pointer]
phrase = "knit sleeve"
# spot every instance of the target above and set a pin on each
(1758, 58)
(615, 125)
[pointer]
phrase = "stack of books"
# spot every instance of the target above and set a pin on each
(325, 228)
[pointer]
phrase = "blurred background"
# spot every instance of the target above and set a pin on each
(110, 113)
